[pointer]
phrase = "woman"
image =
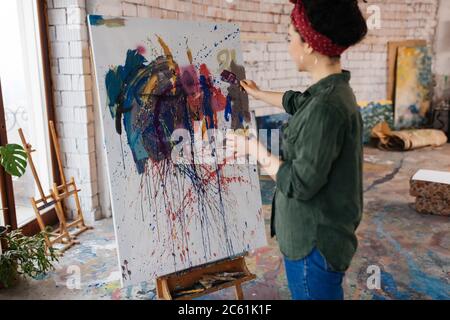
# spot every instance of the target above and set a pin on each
(318, 201)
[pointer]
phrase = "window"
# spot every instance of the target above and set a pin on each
(25, 99)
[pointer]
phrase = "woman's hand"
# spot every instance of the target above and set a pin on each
(273, 98)
(241, 145)
(251, 88)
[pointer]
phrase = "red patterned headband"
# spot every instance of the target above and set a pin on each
(316, 40)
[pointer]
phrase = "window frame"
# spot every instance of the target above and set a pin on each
(6, 185)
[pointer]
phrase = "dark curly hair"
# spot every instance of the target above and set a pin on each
(340, 20)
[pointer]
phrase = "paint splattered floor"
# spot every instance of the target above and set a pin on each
(411, 250)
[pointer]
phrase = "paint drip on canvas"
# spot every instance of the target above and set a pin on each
(157, 78)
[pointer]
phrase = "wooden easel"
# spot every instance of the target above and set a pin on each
(66, 190)
(168, 286)
(46, 202)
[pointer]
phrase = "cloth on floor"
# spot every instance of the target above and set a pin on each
(407, 139)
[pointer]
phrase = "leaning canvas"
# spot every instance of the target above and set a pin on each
(413, 87)
(156, 78)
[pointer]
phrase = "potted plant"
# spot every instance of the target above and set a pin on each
(24, 256)
(13, 158)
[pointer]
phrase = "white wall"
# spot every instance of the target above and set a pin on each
(72, 87)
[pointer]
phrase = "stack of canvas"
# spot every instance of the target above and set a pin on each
(432, 192)
(412, 87)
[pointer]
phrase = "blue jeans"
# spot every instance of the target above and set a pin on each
(312, 278)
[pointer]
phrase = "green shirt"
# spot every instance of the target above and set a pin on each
(318, 200)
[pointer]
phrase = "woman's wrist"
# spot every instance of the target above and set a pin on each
(258, 94)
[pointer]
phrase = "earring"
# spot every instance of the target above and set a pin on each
(316, 61)
(302, 58)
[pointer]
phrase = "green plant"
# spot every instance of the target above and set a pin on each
(14, 159)
(26, 256)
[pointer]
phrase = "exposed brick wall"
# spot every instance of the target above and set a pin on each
(400, 19)
(442, 53)
(263, 25)
(72, 84)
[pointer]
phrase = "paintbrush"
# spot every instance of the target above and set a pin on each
(187, 292)
(231, 78)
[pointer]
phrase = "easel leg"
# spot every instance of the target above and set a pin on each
(60, 213)
(77, 203)
(239, 292)
(40, 222)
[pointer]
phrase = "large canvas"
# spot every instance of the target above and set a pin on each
(413, 85)
(156, 78)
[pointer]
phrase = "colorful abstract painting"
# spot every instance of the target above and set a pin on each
(156, 78)
(413, 86)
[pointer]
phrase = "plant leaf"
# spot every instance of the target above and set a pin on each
(13, 159)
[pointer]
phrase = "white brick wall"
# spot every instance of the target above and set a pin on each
(401, 19)
(57, 16)
(263, 25)
(442, 49)
(72, 85)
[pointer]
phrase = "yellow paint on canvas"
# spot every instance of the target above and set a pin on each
(411, 102)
